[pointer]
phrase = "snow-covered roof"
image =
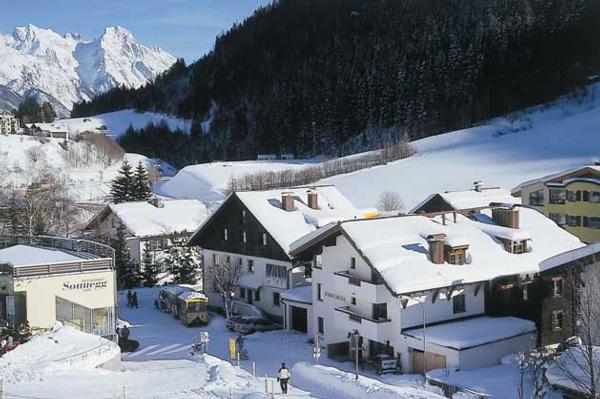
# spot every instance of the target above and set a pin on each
(143, 219)
(288, 226)
(570, 372)
(28, 255)
(397, 247)
(190, 295)
(570, 256)
(298, 294)
(477, 331)
(467, 199)
(557, 175)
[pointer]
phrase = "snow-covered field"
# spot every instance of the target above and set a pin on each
(542, 140)
(89, 183)
(208, 182)
(118, 121)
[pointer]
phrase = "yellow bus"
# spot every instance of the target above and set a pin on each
(184, 303)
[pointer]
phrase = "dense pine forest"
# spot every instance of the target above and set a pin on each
(333, 76)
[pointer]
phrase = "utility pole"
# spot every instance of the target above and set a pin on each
(354, 338)
(424, 340)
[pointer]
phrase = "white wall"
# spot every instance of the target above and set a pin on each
(266, 302)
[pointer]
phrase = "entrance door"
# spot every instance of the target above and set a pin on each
(434, 361)
(250, 297)
(299, 319)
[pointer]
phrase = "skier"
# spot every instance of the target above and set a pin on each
(282, 377)
(134, 300)
(129, 298)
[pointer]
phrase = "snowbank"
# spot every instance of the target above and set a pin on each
(65, 348)
(329, 382)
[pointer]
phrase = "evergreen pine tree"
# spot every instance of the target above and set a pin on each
(150, 273)
(185, 261)
(122, 189)
(128, 275)
(141, 184)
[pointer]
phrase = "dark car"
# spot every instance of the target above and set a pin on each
(254, 324)
(230, 322)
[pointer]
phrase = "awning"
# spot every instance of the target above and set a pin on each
(251, 281)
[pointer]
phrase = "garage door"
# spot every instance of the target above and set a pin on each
(434, 361)
(299, 319)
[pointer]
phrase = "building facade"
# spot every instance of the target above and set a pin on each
(414, 287)
(253, 231)
(570, 198)
(9, 124)
(45, 284)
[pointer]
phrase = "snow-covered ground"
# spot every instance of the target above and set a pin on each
(87, 183)
(118, 121)
(208, 182)
(542, 140)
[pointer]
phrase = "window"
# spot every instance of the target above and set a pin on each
(276, 298)
(156, 244)
(456, 257)
(573, 220)
(559, 218)
(352, 263)
(593, 222)
(257, 295)
(228, 260)
(225, 234)
(574, 195)
(114, 223)
(250, 265)
(242, 293)
(515, 247)
(321, 325)
(458, 304)
(525, 293)
(380, 311)
(557, 196)
(215, 260)
(557, 287)
(243, 216)
(240, 261)
(557, 320)
(264, 239)
(277, 276)
(319, 292)
(244, 237)
(536, 198)
(353, 300)
(594, 196)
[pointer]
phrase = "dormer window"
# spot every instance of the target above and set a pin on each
(457, 256)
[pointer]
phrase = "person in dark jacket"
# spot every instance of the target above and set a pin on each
(283, 376)
(124, 334)
(129, 298)
(134, 300)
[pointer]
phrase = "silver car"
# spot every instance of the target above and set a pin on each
(251, 325)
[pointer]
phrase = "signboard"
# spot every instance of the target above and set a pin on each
(232, 349)
(90, 284)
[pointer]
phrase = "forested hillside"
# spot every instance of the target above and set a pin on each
(316, 76)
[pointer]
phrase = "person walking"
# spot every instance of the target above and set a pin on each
(282, 377)
(129, 298)
(134, 300)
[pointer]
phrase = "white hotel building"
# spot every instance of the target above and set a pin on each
(394, 278)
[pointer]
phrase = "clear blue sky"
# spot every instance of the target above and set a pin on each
(185, 28)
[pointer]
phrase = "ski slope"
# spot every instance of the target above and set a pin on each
(501, 152)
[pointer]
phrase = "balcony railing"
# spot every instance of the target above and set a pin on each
(357, 281)
(357, 317)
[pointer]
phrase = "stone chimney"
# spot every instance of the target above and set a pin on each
(287, 202)
(313, 200)
(436, 248)
(507, 217)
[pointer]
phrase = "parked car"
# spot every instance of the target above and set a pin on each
(231, 320)
(254, 324)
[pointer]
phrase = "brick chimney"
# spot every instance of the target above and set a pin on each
(287, 202)
(436, 248)
(507, 217)
(313, 200)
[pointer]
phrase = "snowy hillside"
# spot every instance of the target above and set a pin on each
(85, 169)
(502, 152)
(66, 69)
(115, 123)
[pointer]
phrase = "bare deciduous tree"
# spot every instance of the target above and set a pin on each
(389, 201)
(224, 277)
(532, 370)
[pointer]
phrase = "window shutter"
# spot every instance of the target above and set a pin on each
(586, 222)
(586, 196)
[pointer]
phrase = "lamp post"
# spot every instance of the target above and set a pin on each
(354, 338)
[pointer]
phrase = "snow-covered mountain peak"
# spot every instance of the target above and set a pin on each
(68, 68)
